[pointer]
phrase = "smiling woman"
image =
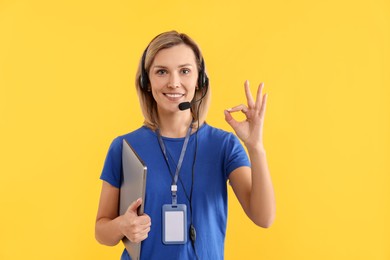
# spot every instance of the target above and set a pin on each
(177, 146)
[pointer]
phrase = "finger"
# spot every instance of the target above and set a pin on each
(241, 107)
(230, 120)
(139, 228)
(145, 220)
(263, 105)
(139, 237)
(143, 235)
(134, 206)
(259, 97)
(144, 229)
(248, 94)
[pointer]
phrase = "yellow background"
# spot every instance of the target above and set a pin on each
(67, 89)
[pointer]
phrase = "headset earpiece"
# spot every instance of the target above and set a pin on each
(144, 78)
(203, 80)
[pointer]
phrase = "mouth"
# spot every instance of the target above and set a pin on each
(174, 96)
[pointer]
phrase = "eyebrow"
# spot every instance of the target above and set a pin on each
(180, 66)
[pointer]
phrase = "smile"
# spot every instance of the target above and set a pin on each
(173, 95)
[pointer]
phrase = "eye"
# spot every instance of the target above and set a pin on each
(161, 72)
(185, 71)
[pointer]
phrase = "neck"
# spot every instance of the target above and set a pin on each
(176, 125)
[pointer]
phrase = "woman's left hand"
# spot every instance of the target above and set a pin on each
(250, 131)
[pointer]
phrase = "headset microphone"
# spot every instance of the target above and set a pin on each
(184, 106)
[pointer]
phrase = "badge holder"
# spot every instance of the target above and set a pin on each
(174, 218)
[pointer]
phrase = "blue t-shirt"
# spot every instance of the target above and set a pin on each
(218, 154)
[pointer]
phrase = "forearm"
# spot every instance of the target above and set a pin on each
(108, 232)
(262, 198)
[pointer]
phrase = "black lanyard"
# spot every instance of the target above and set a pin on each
(178, 167)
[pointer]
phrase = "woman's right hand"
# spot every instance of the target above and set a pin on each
(134, 227)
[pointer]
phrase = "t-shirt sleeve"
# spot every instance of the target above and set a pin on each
(112, 169)
(236, 155)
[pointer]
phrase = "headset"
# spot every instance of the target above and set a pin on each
(203, 80)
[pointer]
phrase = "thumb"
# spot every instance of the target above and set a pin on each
(134, 206)
(230, 120)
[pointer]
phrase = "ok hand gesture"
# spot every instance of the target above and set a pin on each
(250, 131)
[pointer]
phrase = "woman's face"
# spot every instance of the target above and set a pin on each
(173, 77)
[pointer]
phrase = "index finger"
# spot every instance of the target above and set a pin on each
(145, 220)
(249, 98)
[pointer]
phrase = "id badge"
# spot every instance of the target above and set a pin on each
(174, 224)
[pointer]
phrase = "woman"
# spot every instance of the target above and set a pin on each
(184, 153)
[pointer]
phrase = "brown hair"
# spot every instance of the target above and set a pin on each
(147, 102)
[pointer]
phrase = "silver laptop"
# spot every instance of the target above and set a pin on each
(132, 187)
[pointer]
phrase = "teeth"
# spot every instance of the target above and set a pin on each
(174, 95)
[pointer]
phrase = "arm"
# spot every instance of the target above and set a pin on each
(111, 228)
(253, 186)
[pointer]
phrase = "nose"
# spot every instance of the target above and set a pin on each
(174, 80)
